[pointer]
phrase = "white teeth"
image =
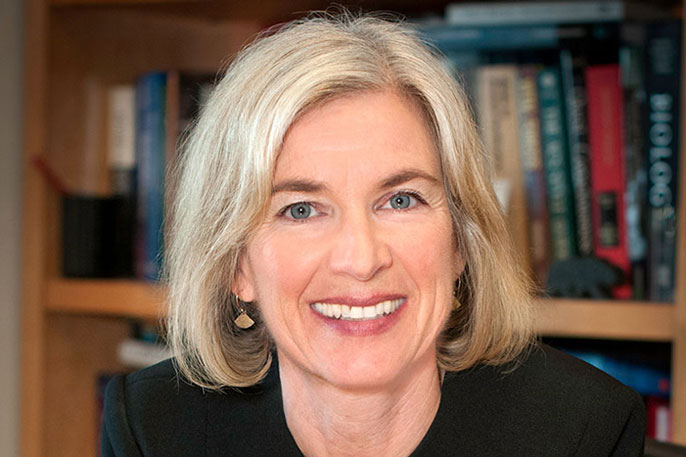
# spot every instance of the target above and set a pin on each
(347, 312)
(379, 308)
(336, 311)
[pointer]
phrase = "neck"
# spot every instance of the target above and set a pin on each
(333, 421)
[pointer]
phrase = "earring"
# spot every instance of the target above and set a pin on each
(243, 321)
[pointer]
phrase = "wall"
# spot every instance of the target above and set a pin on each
(11, 26)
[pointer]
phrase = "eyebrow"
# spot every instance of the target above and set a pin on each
(298, 185)
(405, 176)
(310, 186)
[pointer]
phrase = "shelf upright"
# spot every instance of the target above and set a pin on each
(678, 400)
(35, 195)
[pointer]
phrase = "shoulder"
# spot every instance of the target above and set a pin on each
(548, 402)
(155, 411)
(145, 407)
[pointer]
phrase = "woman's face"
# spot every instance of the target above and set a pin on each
(353, 267)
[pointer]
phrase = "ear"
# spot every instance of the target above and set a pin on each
(244, 285)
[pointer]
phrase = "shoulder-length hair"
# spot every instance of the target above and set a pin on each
(224, 177)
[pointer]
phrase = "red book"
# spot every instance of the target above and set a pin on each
(606, 157)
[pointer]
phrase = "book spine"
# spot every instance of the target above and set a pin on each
(658, 418)
(631, 60)
(121, 140)
(171, 115)
(556, 164)
(469, 38)
(663, 79)
(533, 12)
(497, 117)
(530, 155)
(606, 140)
(573, 84)
(150, 156)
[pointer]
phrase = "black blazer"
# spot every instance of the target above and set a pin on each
(548, 404)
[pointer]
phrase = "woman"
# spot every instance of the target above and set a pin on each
(334, 211)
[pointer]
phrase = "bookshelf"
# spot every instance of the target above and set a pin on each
(71, 327)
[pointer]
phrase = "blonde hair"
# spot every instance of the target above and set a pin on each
(224, 182)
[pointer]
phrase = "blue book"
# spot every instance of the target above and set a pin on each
(644, 379)
(451, 38)
(151, 163)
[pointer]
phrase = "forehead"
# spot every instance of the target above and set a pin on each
(370, 131)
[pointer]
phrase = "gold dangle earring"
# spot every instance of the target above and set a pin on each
(242, 321)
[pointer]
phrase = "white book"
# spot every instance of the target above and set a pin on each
(139, 354)
(547, 12)
(121, 138)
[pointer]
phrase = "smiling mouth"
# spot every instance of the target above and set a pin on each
(358, 313)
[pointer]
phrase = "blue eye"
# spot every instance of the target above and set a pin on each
(401, 201)
(300, 210)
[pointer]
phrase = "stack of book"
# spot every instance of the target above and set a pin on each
(147, 121)
(578, 105)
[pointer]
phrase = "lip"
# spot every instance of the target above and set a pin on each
(361, 328)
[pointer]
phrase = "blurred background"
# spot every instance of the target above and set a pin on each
(106, 90)
(11, 30)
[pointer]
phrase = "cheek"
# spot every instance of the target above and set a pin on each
(281, 267)
(431, 249)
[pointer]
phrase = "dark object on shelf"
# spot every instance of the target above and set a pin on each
(582, 277)
(97, 236)
(655, 448)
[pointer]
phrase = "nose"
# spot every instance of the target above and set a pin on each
(359, 249)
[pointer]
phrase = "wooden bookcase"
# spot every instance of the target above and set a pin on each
(71, 327)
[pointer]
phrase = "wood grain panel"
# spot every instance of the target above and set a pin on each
(606, 319)
(678, 400)
(122, 298)
(33, 238)
(81, 348)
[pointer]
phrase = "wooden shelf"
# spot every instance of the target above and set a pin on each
(602, 319)
(117, 298)
(605, 319)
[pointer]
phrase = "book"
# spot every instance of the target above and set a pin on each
(499, 13)
(572, 66)
(663, 94)
(606, 158)
(530, 156)
(470, 38)
(121, 138)
(631, 58)
(137, 353)
(658, 418)
(559, 191)
(121, 161)
(167, 104)
(497, 121)
(643, 378)
(151, 164)
(186, 94)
